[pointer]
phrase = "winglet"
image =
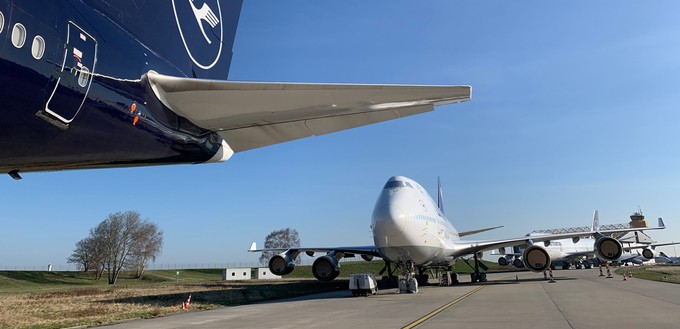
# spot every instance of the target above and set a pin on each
(596, 222)
(440, 194)
(661, 224)
(253, 247)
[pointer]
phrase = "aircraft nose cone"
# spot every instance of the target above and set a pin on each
(390, 219)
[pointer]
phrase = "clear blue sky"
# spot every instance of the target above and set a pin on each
(575, 108)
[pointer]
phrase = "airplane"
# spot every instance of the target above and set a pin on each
(103, 84)
(411, 231)
(580, 252)
(662, 258)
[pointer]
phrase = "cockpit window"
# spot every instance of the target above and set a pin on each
(396, 183)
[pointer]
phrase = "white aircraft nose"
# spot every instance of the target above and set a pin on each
(390, 219)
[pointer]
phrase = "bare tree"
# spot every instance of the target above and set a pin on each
(284, 238)
(83, 256)
(88, 256)
(146, 247)
(121, 237)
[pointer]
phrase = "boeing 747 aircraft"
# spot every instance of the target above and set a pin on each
(101, 84)
(580, 252)
(411, 231)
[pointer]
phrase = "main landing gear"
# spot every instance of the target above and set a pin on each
(477, 276)
(390, 280)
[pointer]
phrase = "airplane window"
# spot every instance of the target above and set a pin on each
(2, 21)
(409, 185)
(38, 47)
(18, 35)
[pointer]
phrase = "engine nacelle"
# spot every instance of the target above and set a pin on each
(536, 258)
(648, 253)
(608, 249)
(367, 258)
(326, 268)
(281, 264)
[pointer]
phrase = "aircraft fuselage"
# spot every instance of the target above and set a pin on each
(72, 77)
(408, 225)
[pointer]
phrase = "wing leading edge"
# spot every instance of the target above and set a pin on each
(249, 115)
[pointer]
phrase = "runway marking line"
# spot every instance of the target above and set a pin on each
(439, 310)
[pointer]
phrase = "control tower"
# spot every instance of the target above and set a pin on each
(637, 219)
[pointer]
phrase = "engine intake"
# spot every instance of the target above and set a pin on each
(608, 249)
(326, 268)
(648, 253)
(281, 264)
(536, 258)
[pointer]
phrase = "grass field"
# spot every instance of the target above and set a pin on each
(38, 299)
(661, 273)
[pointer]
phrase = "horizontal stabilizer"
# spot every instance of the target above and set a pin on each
(464, 233)
(254, 114)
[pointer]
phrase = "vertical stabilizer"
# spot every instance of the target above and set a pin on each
(195, 36)
(596, 222)
(440, 194)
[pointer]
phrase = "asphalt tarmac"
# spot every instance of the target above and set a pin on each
(577, 299)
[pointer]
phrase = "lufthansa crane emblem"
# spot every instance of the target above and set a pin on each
(201, 29)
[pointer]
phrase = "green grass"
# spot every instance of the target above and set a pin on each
(12, 282)
(655, 273)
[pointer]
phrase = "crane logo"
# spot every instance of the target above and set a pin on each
(200, 27)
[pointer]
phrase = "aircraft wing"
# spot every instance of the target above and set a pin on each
(249, 115)
(651, 245)
(348, 251)
(464, 233)
(468, 247)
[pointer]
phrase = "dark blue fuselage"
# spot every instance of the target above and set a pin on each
(73, 89)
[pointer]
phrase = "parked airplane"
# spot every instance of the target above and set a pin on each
(580, 252)
(411, 231)
(100, 84)
(662, 258)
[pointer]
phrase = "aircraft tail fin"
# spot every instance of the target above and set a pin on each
(661, 224)
(596, 222)
(194, 37)
(440, 194)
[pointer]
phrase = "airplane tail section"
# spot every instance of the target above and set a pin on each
(440, 194)
(194, 36)
(596, 222)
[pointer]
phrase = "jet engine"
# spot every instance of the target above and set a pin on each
(608, 249)
(326, 268)
(648, 253)
(536, 258)
(367, 258)
(281, 264)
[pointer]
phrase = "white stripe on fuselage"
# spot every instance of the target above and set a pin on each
(408, 225)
